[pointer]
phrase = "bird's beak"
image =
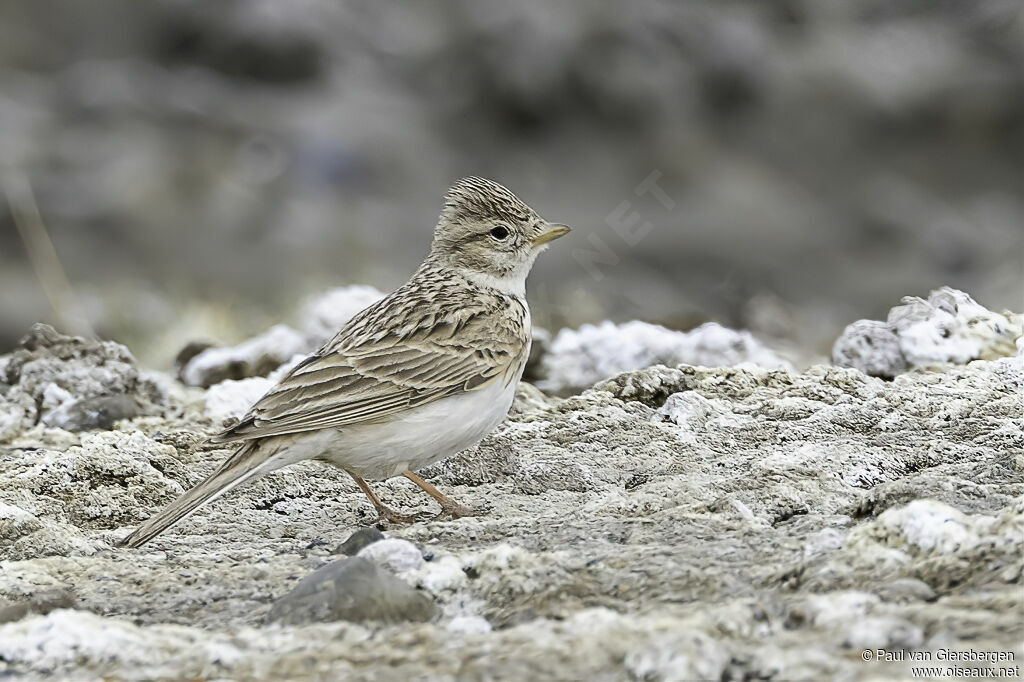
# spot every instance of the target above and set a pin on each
(554, 231)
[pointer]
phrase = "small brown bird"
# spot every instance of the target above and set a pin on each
(417, 377)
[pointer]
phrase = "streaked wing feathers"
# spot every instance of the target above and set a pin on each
(383, 362)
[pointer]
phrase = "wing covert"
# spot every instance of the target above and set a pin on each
(365, 374)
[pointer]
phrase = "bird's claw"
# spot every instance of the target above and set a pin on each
(455, 510)
(397, 518)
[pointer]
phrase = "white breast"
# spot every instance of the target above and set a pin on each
(414, 438)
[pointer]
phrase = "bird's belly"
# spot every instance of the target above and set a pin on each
(423, 435)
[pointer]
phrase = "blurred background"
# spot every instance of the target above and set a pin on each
(201, 168)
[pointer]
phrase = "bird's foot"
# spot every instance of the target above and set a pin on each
(450, 509)
(386, 514)
(453, 510)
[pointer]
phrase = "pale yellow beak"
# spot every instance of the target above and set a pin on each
(554, 231)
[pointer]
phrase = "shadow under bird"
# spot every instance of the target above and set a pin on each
(417, 377)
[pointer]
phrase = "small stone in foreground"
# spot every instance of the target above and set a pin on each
(352, 589)
(363, 537)
(397, 554)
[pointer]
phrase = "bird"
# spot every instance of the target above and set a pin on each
(419, 376)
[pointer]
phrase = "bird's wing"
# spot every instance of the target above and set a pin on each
(383, 363)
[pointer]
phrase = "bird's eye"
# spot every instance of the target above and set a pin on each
(500, 232)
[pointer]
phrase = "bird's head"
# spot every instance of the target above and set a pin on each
(488, 233)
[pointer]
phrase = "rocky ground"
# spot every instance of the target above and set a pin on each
(669, 522)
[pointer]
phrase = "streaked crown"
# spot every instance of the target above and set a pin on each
(476, 199)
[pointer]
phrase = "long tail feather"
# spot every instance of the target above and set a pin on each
(240, 467)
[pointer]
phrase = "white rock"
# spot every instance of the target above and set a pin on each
(468, 625)
(444, 574)
(16, 522)
(9, 512)
(63, 637)
(273, 347)
(692, 411)
(397, 554)
(503, 557)
(949, 327)
(879, 632)
(324, 315)
(872, 347)
(837, 608)
(825, 540)
(72, 383)
(682, 655)
(952, 327)
(54, 397)
(233, 398)
(929, 525)
(584, 356)
(12, 418)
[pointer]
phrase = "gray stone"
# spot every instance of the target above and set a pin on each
(358, 540)
(352, 589)
(872, 347)
(94, 412)
(72, 383)
(905, 590)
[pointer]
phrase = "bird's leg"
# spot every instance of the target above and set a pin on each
(449, 507)
(383, 511)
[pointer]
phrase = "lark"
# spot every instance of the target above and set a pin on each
(419, 376)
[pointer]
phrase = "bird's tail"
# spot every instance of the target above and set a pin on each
(245, 465)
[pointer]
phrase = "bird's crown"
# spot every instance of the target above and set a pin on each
(476, 199)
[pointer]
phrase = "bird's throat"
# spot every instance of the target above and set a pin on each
(513, 283)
